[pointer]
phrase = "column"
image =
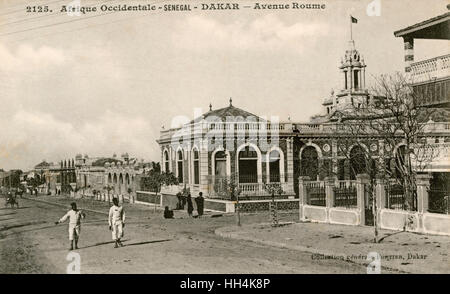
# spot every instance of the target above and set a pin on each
(423, 184)
(203, 166)
(363, 85)
(334, 154)
(361, 181)
(302, 196)
(409, 53)
(380, 194)
(329, 191)
(290, 165)
(350, 73)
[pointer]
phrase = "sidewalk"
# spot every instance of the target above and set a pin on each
(135, 210)
(400, 251)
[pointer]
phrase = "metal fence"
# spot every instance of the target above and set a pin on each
(315, 193)
(438, 201)
(395, 197)
(345, 196)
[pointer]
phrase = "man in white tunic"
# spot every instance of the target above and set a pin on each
(116, 221)
(74, 215)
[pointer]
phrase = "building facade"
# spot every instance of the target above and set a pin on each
(230, 144)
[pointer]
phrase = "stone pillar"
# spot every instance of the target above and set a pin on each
(361, 181)
(423, 184)
(203, 161)
(302, 195)
(290, 165)
(380, 194)
(409, 53)
(329, 191)
(363, 78)
(350, 80)
(334, 155)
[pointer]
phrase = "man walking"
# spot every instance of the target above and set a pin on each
(116, 221)
(74, 215)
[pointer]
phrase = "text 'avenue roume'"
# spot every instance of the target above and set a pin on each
(186, 7)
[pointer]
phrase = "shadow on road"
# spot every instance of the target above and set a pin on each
(9, 208)
(100, 244)
(148, 242)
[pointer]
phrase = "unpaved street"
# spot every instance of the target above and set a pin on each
(30, 242)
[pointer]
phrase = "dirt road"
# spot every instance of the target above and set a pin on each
(30, 242)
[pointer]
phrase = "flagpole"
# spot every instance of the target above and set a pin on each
(351, 29)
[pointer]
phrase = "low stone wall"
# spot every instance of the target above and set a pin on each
(315, 213)
(219, 205)
(148, 197)
(434, 223)
(333, 215)
(344, 216)
(263, 205)
(428, 223)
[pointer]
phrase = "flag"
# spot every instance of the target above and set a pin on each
(354, 20)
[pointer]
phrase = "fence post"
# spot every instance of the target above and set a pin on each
(380, 194)
(361, 181)
(302, 195)
(329, 191)
(423, 184)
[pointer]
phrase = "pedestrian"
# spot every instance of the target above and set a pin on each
(190, 206)
(116, 221)
(168, 213)
(200, 201)
(74, 215)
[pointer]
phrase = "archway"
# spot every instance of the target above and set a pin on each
(120, 183)
(309, 163)
(248, 165)
(357, 162)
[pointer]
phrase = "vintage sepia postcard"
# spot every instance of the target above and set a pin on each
(224, 137)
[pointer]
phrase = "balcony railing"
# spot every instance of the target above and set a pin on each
(438, 67)
(301, 128)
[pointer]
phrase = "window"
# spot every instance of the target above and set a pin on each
(180, 166)
(274, 166)
(196, 168)
(166, 161)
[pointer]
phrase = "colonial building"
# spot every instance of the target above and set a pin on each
(229, 144)
(111, 175)
(232, 145)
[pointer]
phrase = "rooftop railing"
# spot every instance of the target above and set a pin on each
(433, 68)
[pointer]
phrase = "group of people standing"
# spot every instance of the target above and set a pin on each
(116, 222)
(187, 200)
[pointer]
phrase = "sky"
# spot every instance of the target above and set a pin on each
(99, 84)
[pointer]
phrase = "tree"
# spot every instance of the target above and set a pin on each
(273, 189)
(154, 180)
(372, 133)
(233, 191)
(108, 188)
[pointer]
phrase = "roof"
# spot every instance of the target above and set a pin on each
(225, 112)
(102, 161)
(43, 164)
(433, 28)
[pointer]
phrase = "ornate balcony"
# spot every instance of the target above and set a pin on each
(431, 69)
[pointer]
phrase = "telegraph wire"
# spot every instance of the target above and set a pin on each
(32, 19)
(24, 5)
(88, 26)
(64, 22)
